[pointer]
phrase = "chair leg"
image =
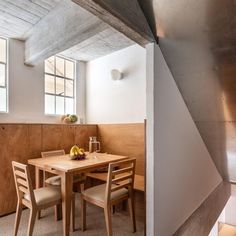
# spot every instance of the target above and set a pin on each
(33, 214)
(83, 214)
(18, 217)
(39, 215)
(132, 213)
(73, 213)
(107, 212)
(113, 209)
(82, 187)
(44, 178)
(58, 212)
(124, 205)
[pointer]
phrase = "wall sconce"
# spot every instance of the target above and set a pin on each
(116, 74)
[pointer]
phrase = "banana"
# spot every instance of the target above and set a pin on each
(74, 150)
(77, 153)
(82, 150)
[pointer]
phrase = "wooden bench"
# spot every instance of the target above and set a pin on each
(138, 180)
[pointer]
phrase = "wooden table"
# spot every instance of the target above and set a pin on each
(66, 168)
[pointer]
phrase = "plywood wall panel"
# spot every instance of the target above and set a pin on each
(20, 142)
(35, 138)
(51, 137)
(15, 148)
(58, 137)
(68, 137)
(34, 146)
(3, 168)
(124, 139)
(82, 134)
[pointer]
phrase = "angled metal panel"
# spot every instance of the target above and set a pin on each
(198, 40)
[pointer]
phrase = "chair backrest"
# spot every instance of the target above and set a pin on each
(23, 183)
(53, 153)
(120, 175)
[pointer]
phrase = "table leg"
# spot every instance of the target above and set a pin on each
(37, 185)
(37, 177)
(66, 191)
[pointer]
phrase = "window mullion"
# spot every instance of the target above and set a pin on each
(55, 84)
(64, 86)
(4, 53)
(74, 84)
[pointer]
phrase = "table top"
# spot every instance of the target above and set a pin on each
(65, 164)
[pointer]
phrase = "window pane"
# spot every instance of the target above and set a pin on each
(2, 75)
(60, 86)
(60, 66)
(49, 104)
(49, 84)
(69, 88)
(3, 46)
(70, 69)
(69, 106)
(49, 65)
(3, 100)
(60, 105)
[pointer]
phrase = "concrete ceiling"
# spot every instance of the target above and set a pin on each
(99, 45)
(58, 26)
(19, 16)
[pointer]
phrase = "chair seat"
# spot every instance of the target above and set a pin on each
(45, 195)
(56, 180)
(98, 193)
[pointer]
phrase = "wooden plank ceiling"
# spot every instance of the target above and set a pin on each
(22, 18)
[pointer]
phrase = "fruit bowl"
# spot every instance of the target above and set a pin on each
(78, 157)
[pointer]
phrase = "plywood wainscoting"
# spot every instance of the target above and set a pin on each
(20, 142)
(125, 139)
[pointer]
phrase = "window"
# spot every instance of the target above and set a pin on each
(3, 76)
(59, 86)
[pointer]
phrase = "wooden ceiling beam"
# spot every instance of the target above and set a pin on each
(125, 16)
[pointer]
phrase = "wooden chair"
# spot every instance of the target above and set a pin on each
(47, 177)
(119, 187)
(56, 181)
(35, 200)
(139, 182)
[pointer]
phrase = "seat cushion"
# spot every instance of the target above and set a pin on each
(45, 195)
(56, 180)
(98, 193)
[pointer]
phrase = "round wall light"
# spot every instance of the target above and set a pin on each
(116, 74)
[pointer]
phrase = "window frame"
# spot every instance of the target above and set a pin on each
(6, 75)
(65, 79)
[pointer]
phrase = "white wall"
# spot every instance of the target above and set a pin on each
(215, 228)
(184, 174)
(124, 101)
(230, 208)
(26, 89)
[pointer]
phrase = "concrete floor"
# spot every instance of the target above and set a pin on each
(95, 223)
